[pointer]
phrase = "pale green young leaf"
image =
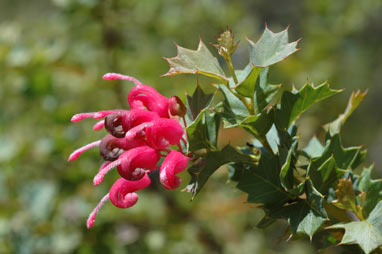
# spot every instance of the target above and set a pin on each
(199, 61)
(271, 48)
(354, 100)
(367, 234)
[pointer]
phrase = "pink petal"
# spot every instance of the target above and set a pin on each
(82, 116)
(112, 76)
(93, 214)
(163, 132)
(103, 171)
(99, 125)
(174, 163)
(122, 193)
(73, 156)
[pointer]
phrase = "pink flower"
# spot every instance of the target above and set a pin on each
(174, 163)
(122, 195)
(163, 132)
(111, 147)
(131, 164)
(137, 139)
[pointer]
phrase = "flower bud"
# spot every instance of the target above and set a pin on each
(176, 107)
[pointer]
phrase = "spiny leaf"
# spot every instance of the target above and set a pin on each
(372, 189)
(234, 111)
(203, 132)
(246, 87)
(262, 183)
(354, 100)
(367, 234)
(305, 215)
(325, 174)
(199, 61)
(345, 158)
(271, 48)
(294, 103)
(314, 148)
(208, 165)
(265, 93)
(258, 125)
(198, 101)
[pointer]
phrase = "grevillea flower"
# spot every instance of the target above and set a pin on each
(138, 138)
(122, 195)
(163, 132)
(174, 163)
(143, 96)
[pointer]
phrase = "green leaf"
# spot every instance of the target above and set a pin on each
(265, 93)
(201, 171)
(258, 125)
(203, 132)
(372, 189)
(271, 48)
(355, 99)
(305, 216)
(246, 87)
(198, 101)
(287, 150)
(345, 158)
(367, 234)
(294, 103)
(262, 183)
(234, 111)
(199, 61)
(345, 195)
(324, 175)
(314, 148)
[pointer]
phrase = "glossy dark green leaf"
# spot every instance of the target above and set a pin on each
(203, 132)
(198, 101)
(305, 216)
(294, 103)
(258, 125)
(201, 171)
(246, 87)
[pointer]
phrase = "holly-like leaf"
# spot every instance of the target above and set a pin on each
(262, 183)
(198, 101)
(265, 93)
(367, 234)
(201, 171)
(294, 103)
(324, 175)
(371, 188)
(314, 148)
(234, 110)
(199, 61)
(355, 99)
(203, 132)
(345, 158)
(258, 125)
(271, 48)
(246, 87)
(305, 215)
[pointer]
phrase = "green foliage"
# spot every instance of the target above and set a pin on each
(309, 186)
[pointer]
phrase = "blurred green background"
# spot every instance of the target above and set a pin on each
(52, 57)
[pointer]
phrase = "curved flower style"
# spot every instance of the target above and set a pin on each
(146, 97)
(130, 164)
(137, 139)
(174, 163)
(111, 147)
(122, 195)
(163, 132)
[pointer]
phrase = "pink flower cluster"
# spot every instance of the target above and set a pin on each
(137, 140)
